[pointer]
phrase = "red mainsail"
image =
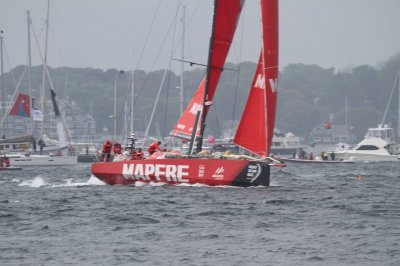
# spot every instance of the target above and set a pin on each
(270, 31)
(256, 128)
(226, 17)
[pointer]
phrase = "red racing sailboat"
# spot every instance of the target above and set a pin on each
(255, 129)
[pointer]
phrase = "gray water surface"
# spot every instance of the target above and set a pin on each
(345, 214)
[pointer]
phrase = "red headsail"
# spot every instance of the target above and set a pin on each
(226, 17)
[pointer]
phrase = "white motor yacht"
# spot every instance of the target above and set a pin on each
(378, 145)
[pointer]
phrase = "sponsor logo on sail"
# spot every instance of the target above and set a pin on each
(158, 172)
(195, 108)
(260, 82)
(273, 83)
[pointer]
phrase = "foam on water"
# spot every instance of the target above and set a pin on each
(36, 182)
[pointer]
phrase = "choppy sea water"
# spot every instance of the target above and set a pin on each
(343, 214)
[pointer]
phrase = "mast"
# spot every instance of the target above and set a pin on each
(2, 84)
(115, 108)
(182, 94)
(398, 114)
(208, 70)
(263, 74)
(132, 97)
(29, 68)
(44, 69)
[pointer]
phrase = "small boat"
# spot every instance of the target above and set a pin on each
(10, 168)
(42, 160)
(255, 129)
(5, 164)
(286, 144)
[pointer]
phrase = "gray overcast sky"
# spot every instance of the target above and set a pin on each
(111, 33)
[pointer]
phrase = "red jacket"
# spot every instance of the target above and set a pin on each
(117, 149)
(153, 148)
(139, 155)
(107, 147)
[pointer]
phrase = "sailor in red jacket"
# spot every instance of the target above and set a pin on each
(107, 146)
(139, 154)
(155, 146)
(117, 148)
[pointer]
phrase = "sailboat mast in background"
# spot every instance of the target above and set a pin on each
(46, 22)
(28, 14)
(398, 114)
(2, 83)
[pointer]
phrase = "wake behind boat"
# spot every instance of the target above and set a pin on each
(255, 129)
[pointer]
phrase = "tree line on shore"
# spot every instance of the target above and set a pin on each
(308, 95)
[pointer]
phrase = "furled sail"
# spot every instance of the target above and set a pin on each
(256, 127)
(226, 17)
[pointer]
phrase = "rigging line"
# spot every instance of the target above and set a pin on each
(155, 60)
(57, 46)
(179, 3)
(154, 108)
(9, 64)
(216, 120)
(238, 75)
(390, 97)
(199, 64)
(187, 26)
(148, 33)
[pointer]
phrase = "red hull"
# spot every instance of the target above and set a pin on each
(212, 172)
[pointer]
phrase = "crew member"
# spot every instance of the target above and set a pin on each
(41, 145)
(155, 146)
(117, 148)
(139, 154)
(107, 146)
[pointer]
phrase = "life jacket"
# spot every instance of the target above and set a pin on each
(117, 149)
(139, 155)
(107, 147)
(153, 147)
